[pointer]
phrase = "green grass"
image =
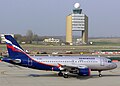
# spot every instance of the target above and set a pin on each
(2, 47)
(95, 46)
(106, 44)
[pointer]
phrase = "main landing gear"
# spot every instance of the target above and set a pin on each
(60, 74)
(65, 75)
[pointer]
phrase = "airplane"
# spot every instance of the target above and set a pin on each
(64, 65)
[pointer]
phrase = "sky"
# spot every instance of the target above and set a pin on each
(48, 17)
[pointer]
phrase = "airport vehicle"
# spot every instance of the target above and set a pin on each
(81, 65)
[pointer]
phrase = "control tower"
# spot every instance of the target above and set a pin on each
(77, 21)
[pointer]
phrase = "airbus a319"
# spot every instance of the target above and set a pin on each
(80, 65)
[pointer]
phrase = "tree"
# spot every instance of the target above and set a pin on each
(24, 39)
(18, 37)
(36, 38)
(29, 36)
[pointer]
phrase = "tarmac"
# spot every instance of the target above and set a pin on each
(12, 75)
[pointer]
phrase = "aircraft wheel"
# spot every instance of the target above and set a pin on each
(65, 75)
(100, 75)
(60, 74)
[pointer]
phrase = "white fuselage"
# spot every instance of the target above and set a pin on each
(94, 63)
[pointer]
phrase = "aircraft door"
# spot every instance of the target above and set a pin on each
(101, 61)
(29, 62)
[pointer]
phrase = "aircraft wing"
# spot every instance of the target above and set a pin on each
(82, 70)
(71, 67)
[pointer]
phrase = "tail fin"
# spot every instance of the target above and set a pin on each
(14, 49)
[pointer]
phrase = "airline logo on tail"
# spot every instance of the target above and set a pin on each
(12, 46)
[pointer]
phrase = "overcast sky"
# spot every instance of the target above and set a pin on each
(48, 17)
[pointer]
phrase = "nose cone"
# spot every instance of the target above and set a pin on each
(113, 66)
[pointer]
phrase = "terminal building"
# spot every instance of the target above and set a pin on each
(52, 40)
(77, 21)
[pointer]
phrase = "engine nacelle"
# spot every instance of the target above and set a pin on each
(84, 72)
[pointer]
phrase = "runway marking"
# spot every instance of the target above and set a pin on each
(3, 72)
(114, 72)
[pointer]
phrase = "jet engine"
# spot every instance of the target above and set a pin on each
(84, 72)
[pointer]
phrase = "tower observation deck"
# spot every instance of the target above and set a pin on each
(77, 21)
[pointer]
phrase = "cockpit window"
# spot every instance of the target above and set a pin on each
(109, 61)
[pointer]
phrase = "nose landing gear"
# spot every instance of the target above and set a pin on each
(100, 73)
